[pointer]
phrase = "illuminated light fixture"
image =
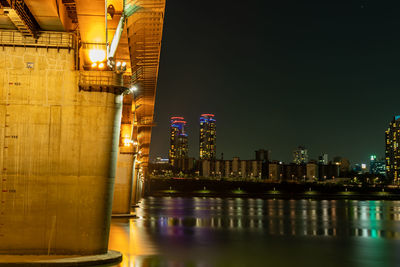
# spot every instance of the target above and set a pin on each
(110, 12)
(94, 65)
(363, 166)
(97, 55)
(120, 66)
(101, 65)
(127, 142)
(133, 89)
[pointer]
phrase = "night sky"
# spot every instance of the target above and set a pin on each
(278, 74)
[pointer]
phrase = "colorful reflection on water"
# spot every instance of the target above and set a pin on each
(259, 232)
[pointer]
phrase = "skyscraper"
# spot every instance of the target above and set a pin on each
(178, 140)
(300, 155)
(208, 136)
(392, 151)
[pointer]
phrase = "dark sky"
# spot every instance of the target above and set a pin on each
(278, 74)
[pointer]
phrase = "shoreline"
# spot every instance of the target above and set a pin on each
(236, 189)
(285, 196)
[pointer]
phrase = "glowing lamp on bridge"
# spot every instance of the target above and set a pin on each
(127, 141)
(97, 55)
(131, 90)
(120, 66)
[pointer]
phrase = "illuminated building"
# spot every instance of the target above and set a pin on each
(300, 155)
(377, 166)
(392, 151)
(294, 172)
(360, 168)
(236, 168)
(208, 137)
(178, 140)
(323, 159)
(275, 170)
(312, 169)
(263, 156)
(160, 160)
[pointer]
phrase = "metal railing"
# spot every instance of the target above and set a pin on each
(103, 81)
(137, 75)
(45, 39)
(100, 78)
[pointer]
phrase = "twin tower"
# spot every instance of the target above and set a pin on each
(179, 138)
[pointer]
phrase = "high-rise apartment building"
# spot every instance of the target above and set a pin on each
(300, 155)
(208, 136)
(178, 140)
(392, 151)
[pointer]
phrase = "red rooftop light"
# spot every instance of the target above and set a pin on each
(210, 115)
(179, 122)
(177, 118)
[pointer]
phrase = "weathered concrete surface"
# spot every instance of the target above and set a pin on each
(123, 185)
(111, 257)
(55, 192)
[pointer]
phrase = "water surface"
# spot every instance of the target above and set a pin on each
(259, 232)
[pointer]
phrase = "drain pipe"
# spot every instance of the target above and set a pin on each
(118, 104)
(127, 11)
(116, 128)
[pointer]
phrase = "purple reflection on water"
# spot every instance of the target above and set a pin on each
(257, 232)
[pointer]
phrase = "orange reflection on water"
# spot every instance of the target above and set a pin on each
(134, 244)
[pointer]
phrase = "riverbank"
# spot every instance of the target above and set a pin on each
(213, 188)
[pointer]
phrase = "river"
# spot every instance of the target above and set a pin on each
(259, 232)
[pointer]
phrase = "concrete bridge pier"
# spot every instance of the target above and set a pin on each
(55, 145)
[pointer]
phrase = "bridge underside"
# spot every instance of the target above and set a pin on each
(70, 143)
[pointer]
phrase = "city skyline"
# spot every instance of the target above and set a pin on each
(315, 72)
(315, 155)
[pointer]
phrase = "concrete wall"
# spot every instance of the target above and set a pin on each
(123, 185)
(55, 143)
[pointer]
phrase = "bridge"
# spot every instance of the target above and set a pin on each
(77, 83)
